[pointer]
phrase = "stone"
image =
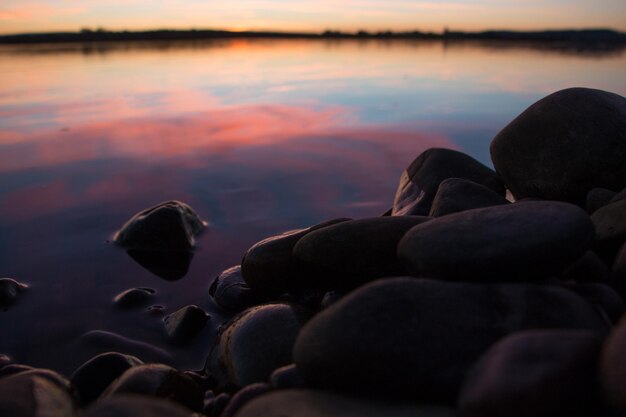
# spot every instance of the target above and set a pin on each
(171, 225)
(134, 297)
(564, 145)
(610, 222)
(613, 368)
(350, 253)
(415, 338)
(159, 381)
(598, 198)
(214, 407)
(525, 241)
(130, 405)
(457, 194)
(4, 360)
(231, 292)
(420, 181)
(95, 375)
(183, 324)
(309, 403)
(243, 396)
(535, 373)
(287, 377)
(619, 196)
(253, 344)
(603, 298)
(269, 266)
(14, 368)
(588, 268)
(35, 394)
(104, 341)
(9, 291)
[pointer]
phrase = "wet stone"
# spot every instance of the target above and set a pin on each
(231, 292)
(287, 377)
(128, 405)
(214, 407)
(243, 396)
(13, 368)
(420, 182)
(564, 145)
(184, 324)
(95, 375)
(457, 194)
(10, 290)
(524, 241)
(134, 297)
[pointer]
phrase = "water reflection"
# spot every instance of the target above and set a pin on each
(169, 265)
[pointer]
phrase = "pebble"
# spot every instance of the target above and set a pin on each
(182, 325)
(231, 292)
(134, 297)
(35, 394)
(457, 194)
(9, 291)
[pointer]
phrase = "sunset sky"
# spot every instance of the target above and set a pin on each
(19, 16)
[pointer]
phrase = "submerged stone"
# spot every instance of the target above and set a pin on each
(10, 290)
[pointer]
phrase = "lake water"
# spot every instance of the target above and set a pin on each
(258, 136)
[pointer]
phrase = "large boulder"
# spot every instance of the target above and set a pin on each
(420, 181)
(522, 241)
(416, 338)
(564, 145)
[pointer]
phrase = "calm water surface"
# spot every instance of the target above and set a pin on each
(258, 136)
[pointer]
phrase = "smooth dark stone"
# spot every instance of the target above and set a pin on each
(109, 341)
(131, 405)
(598, 198)
(588, 268)
(535, 373)
(158, 381)
(171, 225)
(243, 396)
(309, 403)
(613, 368)
(619, 196)
(134, 297)
(604, 298)
(4, 360)
(420, 182)
(35, 394)
(457, 194)
(269, 266)
(95, 375)
(564, 145)
(348, 254)
(184, 324)
(231, 292)
(330, 298)
(287, 377)
(619, 266)
(169, 265)
(253, 344)
(610, 222)
(415, 338)
(14, 368)
(525, 241)
(9, 291)
(216, 405)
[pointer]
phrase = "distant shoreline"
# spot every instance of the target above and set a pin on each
(584, 36)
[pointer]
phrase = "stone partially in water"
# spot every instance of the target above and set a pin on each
(134, 297)
(171, 225)
(231, 292)
(457, 194)
(33, 394)
(419, 183)
(564, 145)
(185, 323)
(130, 405)
(9, 291)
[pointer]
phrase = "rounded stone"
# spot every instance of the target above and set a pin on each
(35, 394)
(129, 405)
(613, 368)
(185, 323)
(416, 338)
(523, 241)
(231, 292)
(134, 297)
(243, 396)
(598, 198)
(287, 377)
(610, 222)
(457, 194)
(9, 291)
(564, 145)
(420, 181)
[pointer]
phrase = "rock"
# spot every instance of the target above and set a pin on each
(521, 241)
(598, 198)
(129, 405)
(619, 196)
(156, 310)
(35, 394)
(105, 341)
(588, 268)
(604, 298)
(170, 225)
(230, 291)
(415, 338)
(269, 266)
(330, 297)
(613, 368)
(158, 381)
(171, 265)
(535, 373)
(216, 405)
(309, 403)
(95, 375)
(185, 323)
(350, 253)
(287, 377)
(134, 297)
(421, 180)
(253, 344)
(4, 360)
(244, 396)
(9, 291)
(564, 145)
(610, 222)
(14, 368)
(457, 194)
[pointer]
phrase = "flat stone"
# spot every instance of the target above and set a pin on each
(10, 290)
(134, 297)
(130, 405)
(564, 145)
(309, 403)
(269, 266)
(525, 241)
(231, 292)
(95, 375)
(416, 338)
(253, 344)
(535, 373)
(185, 323)
(613, 368)
(171, 225)
(35, 394)
(350, 253)
(420, 181)
(457, 194)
